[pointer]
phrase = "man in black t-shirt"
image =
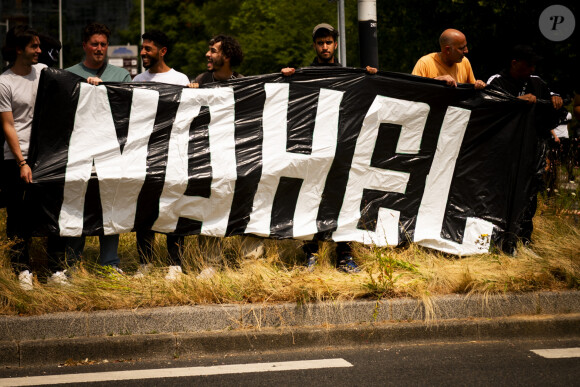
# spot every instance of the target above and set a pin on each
(518, 80)
(325, 43)
(223, 55)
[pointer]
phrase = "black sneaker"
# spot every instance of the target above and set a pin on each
(310, 261)
(348, 265)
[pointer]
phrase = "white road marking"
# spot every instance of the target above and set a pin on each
(558, 353)
(175, 372)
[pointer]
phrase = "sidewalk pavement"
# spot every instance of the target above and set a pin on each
(184, 331)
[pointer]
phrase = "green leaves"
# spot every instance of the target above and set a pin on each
(273, 34)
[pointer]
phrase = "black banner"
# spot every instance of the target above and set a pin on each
(331, 153)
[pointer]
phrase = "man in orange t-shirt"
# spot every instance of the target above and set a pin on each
(450, 64)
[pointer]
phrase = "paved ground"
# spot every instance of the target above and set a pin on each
(505, 362)
(164, 333)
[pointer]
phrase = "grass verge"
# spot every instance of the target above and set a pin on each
(552, 262)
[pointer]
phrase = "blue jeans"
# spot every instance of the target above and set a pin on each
(108, 246)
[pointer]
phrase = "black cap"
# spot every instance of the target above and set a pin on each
(525, 53)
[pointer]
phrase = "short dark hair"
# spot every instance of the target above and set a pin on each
(95, 28)
(18, 37)
(230, 47)
(157, 37)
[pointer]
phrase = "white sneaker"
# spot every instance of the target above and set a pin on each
(174, 273)
(252, 248)
(143, 270)
(112, 272)
(117, 269)
(206, 273)
(25, 279)
(59, 278)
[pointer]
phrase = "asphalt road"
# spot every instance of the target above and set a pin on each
(473, 363)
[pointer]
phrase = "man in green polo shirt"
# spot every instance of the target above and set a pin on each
(95, 68)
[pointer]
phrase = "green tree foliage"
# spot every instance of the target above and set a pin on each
(279, 34)
(184, 24)
(275, 34)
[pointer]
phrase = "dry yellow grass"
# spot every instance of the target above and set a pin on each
(552, 262)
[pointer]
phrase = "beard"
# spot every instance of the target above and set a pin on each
(152, 62)
(326, 60)
(217, 64)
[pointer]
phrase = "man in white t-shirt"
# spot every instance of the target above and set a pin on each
(561, 139)
(153, 52)
(561, 131)
(18, 88)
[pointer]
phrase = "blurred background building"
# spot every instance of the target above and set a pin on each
(43, 15)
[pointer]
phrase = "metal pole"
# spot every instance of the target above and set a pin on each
(342, 33)
(30, 13)
(4, 61)
(60, 57)
(142, 27)
(142, 17)
(367, 32)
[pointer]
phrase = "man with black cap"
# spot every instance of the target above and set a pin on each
(518, 80)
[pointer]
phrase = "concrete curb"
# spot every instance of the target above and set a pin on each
(189, 330)
(183, 345)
